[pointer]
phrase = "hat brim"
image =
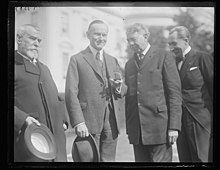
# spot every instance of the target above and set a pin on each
(93, 144)
(46, 133)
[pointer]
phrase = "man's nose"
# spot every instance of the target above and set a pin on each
(171, 47)
(36, 42)
(101, 37)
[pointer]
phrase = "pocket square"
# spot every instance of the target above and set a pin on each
(193, 68)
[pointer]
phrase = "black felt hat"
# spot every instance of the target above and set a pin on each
(85, 149)
(40, 142)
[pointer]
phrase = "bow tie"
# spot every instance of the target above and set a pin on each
(178, 53)
(179, 58)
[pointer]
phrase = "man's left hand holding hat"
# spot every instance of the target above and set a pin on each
(30, 120)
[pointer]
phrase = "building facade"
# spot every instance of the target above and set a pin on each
(64, 34)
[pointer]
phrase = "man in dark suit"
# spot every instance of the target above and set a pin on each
(196, 74)
(153, 99)
(93, 88)
(36, 95)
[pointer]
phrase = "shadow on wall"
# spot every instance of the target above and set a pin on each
(121, 112)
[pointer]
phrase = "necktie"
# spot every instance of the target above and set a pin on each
(140, 58)
(179, 58)
(98, 57)
(180, 61)
(32, 60)
(178, 53)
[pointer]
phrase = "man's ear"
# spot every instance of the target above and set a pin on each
(187, 41)
(18, 39)
(146, 36)
(87, 34)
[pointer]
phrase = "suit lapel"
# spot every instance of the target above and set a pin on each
(108, 63)
(29, 67)
(135, 63)
(88, 56)
(187, 64)
(42, 77)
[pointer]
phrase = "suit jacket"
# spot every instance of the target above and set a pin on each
(196, 76)
(84, 92)
(153, 100)
(36, 95)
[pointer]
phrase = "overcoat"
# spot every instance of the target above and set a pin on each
(153, 100)
(36, 95)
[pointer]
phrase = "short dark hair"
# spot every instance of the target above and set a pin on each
(96, 22)
(182, 32)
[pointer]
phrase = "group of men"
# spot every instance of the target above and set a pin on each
(168, 95)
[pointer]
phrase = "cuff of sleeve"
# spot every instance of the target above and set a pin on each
(78, 124)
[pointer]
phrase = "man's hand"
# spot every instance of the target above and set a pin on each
(116, 80)
(115, 83)
(30, 120)
(172, 135)
(81, 130)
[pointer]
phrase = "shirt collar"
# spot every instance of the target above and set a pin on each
(94, 52)
(146, 49)
(27, 58)
(186, 51)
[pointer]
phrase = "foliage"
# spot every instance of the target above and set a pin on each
(201, 38)
(157, 37)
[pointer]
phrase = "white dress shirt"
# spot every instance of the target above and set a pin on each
(94, 52)
(29, 59)
(184, 54)
(146, 49)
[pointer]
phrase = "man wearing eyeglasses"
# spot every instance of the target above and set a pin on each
(196, 74)
(153, 99)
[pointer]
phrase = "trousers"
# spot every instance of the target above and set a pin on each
(107, 139)
(193, 143)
